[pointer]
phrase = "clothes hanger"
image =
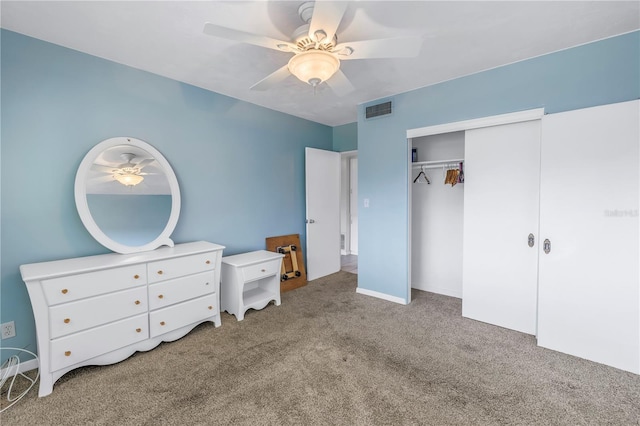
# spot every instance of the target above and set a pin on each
(453, 173)
(422, 173)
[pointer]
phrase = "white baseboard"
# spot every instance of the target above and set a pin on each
(382, 296)
(25, 366)
(445, 291)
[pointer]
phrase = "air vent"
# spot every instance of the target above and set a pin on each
(378, 110)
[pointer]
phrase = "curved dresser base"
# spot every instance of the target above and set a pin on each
(48, 380)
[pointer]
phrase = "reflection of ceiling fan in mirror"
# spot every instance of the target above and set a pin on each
(128, 173)
(317, 53)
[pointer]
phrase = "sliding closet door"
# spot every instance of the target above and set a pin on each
(499, 275)
(588, 297)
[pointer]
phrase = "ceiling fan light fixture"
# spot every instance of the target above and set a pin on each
(314, 82)
(314, 66)
(129, 179)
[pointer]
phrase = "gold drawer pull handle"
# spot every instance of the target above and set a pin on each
(208, 262)
(210, 307)
(67, 353)
(67, 320)
(160, 272)
(138, 330)
(160, 296)
(137, 302)
(161, 322)
(65, 291)
(136, 276)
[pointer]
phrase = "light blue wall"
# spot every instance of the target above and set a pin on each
(240, 167)
(345, 137)
(599, 73)
(132, 220)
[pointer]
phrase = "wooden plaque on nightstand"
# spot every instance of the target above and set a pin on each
(293, 273)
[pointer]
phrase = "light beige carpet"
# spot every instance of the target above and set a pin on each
(329, 356)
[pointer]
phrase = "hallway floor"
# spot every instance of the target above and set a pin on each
(349, 263)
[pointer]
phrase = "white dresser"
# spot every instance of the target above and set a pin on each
(250, 281)
(99, 310)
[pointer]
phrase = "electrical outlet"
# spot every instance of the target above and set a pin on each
(8, 329)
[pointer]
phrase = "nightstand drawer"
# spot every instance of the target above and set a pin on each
(80, 347)
(83, 314)
(261, 270)
(174, 291)
(174, 317)
(180, 266)
(80, 286)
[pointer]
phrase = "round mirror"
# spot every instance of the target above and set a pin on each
(127, 195)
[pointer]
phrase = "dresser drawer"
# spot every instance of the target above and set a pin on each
(74, 287)
(88, 344)
(171, 292)
(261, 270)
(172, 268)
(172, 318)
(87, 313)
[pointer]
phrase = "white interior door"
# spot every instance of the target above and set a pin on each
(499, 273)
(353, 205)
(588, 293)
(322, 184)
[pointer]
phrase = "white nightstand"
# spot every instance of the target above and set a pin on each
(250, 280)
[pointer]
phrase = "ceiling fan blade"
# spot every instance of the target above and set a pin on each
(326, 17)
(272, 79)
(102, 169)
(101, 179)
(340, 84)
(145, 162)
(401, 47)
(241, 36)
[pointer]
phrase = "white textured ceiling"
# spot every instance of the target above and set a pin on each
(459, 38)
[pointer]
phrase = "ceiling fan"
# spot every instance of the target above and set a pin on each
(316, 50)
(127, 173)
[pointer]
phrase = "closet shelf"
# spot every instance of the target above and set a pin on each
(438, 163)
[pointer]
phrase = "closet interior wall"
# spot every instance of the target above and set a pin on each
(437, 218)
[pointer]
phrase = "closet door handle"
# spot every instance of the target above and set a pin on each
(311, 221)
(531, 240)
(547, 246)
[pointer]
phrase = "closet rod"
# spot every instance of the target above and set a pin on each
(439, 163)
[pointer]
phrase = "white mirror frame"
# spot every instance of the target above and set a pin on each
(83, 207)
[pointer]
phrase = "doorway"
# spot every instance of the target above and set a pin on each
(470, 225)
(349, 212)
